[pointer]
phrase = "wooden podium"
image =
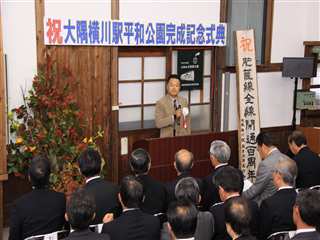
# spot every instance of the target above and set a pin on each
(313, 137)
(162, 151)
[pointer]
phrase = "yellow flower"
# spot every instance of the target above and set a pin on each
(100, 134)
(85, 140)
(90, 140)
(19, 140)
(32, 149)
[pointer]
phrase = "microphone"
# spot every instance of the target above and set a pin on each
(177, 106)
(185, 113)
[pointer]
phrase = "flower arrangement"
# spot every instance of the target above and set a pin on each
(51, 123)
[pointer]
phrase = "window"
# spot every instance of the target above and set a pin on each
(246, 14)
(141, 84)
(315, 87)
(142, 81)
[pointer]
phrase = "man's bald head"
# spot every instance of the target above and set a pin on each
(183, 161)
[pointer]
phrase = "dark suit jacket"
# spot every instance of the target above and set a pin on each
(307, 236)
(210, 191)
(204, 230)
(276, 213)
(220, 231)
(155, 195)
(86, 235)
(308, 164)
(170, 186)
(38, 212)
(106, 198)
(133, 225)
(246, 237)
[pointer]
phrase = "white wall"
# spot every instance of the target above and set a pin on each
(79, 8)
(19, 43)
(183, 10)
(275, 100)
(19, 36)
(293, 23)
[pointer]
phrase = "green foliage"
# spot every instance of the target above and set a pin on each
(49, 122)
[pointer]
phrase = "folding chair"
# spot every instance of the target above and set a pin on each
(50, 236)
(316, 187)
(162, 217)
(96, 228)
(279, 236)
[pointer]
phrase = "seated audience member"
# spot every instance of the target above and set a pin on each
(187, 189)
(104, 192)
(183, 164)
(40, 211)
(306, 215)
(155, 194)
(264, 187)
(276, 211)
(219, 156)
(229, 183)
(307, 161)
(80, 213)
(132, 224)
(238, 217)
(182, 218)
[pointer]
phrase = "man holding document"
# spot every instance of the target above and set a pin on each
(172, 113)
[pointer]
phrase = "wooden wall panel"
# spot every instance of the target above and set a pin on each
(3, 129)
(114, 127)
(90, 68)
(268, 31)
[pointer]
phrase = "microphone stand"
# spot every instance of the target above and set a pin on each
(294, 103)
(175, 120)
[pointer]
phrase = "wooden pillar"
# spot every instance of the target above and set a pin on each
(3, 130)
(219, 61)
(268, 29)
(94, 82)
(114, 100)
(41, 50)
